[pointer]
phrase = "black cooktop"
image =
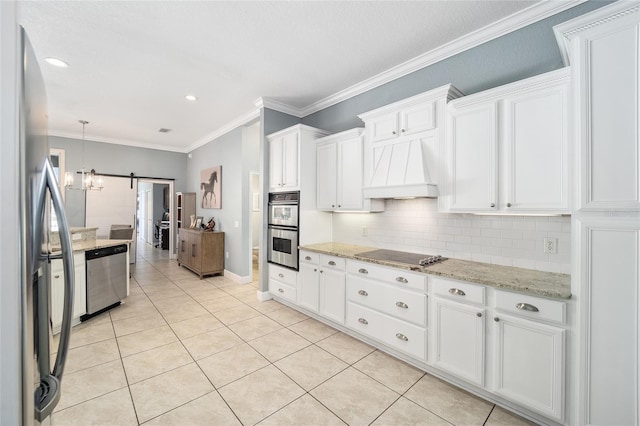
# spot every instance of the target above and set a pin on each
(400, 257)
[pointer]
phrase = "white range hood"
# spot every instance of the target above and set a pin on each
(401, 170)
(402, 145)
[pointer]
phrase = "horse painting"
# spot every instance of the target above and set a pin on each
(210, 188)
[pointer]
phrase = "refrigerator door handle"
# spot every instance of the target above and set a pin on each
(48, 394)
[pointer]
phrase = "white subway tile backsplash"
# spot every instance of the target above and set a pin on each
(416, 226)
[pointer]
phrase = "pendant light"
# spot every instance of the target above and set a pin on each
(89, 180)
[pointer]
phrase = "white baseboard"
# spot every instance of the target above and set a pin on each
(238, 278)
(263, 296)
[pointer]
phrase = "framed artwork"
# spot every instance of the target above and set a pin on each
(211, 188)
(198, 222)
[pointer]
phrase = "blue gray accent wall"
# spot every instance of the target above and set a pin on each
(238, 153)
(115, 159)
(529, 51)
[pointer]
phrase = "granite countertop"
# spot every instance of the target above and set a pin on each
(91, 245)
(528, 281)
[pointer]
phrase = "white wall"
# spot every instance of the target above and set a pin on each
(416, 226)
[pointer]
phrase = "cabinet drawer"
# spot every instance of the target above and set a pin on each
(531, 306)
(309, 257)
(458, 290)
(283, 290)
(283, 275)
(397, 276)
(332, 262)
(397, 334)
(403, 304)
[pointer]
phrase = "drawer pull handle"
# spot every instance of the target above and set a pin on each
(56, 276)
(281, 290)
(281, 275)
(307, 258)
(363, 271)
(457, 292)
(526, 307)
(402, 305)
(402, 337)
(402, 280)
(332, 263)
(363, 293)
(363, 321)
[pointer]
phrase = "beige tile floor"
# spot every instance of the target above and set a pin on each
(184, 351)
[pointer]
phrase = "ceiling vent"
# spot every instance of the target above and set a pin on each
(163, 130)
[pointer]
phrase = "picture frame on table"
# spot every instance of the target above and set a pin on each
(198, 222)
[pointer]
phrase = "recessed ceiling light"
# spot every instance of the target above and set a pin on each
(56, 62)
(191, 98)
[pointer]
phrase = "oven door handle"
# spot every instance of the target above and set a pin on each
(284, 228)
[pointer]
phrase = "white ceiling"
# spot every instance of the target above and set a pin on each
(132, 62)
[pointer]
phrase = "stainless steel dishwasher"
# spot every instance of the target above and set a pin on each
(106, 279)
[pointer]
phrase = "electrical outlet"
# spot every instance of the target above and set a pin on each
(364, 231)
(550, 245)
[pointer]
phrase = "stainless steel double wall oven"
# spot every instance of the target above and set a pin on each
(283, 229)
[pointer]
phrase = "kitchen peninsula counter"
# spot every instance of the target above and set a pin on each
(526, 281)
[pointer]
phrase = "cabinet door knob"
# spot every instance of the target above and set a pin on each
(479, 314)
(315, 270)
(394, 132)
(362, 293)
(508, 204)
(281, 290)
(402, 280)
(492, 205)
(333, 205)
(363, 321)
(526, 307)
(339, 205)
(402, 305)
(363, 271)
(56, 276)
(281, 275)
(307, 258)
(402, 337)
(321, 271)
(332, 263)
(457, 292)
(496, 319)
(403, 130)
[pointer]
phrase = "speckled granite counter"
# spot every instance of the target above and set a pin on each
(528, 281)
(91, 245)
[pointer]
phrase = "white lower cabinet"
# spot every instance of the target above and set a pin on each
(57, 290)
(388, 305)
(321, 287)
(529, 364)
(459, 336)
(397, 334)
(283, 283)
(507, 345)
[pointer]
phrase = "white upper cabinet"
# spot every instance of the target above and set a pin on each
(473, 150)
(507, 149)
(340, 173)
(604, 51)
(283, 162)
(292, 159)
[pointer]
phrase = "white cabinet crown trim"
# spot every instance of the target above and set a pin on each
(567, 31)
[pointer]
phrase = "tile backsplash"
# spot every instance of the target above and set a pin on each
(417, 226)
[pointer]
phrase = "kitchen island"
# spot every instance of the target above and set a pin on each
(83, 240)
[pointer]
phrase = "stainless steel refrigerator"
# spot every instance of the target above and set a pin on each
(38, 189)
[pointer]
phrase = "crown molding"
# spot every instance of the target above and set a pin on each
(240, 121)
(567, 30)
(116, 141)
(511, 23)
(278, 106)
